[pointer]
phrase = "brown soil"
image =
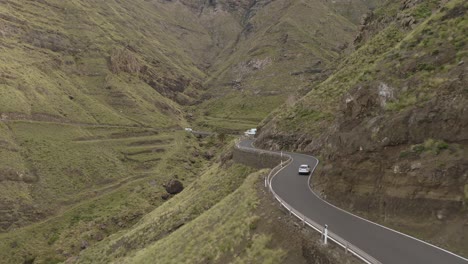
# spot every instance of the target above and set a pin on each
(149, 142)
(133, 134)
(51, 119)
(152, 150)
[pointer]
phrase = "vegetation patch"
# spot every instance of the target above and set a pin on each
(430, 145)
(90, 204)
(466, 192)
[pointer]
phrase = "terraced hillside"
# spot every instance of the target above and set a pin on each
(390, 123)
(76, 70)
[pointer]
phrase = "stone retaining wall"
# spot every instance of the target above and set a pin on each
(255, 159)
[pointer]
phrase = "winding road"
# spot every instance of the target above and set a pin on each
(383, 244)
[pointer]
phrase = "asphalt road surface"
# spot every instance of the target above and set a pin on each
(385, 245)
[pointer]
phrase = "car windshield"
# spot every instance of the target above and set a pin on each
(304, 166)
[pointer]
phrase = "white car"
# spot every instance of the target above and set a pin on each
(304, 169)
(250, 132)
(188, 129)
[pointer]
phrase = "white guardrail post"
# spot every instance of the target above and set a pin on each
(323, 230)
(325, 235)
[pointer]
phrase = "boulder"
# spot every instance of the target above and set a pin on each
(174, 186)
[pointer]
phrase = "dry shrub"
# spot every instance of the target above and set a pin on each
(124, 60)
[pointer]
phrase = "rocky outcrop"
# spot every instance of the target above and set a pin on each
(407, 14)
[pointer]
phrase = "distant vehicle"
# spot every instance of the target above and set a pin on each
(304, 169)
(251, 132)
(188, 129)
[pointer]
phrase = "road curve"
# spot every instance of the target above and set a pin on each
(384, 244)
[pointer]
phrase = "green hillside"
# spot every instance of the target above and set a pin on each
(91, 63)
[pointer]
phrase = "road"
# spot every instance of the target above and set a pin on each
(384, 244)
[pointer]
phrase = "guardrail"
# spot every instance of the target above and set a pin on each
(305, 220)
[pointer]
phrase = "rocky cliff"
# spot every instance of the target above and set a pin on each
(390, 125)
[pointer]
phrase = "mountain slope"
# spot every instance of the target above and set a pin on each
(283, 46)
(93, 93)
(390, 123)
(129, 68)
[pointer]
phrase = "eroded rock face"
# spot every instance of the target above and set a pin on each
(374, 161)
(174, 186)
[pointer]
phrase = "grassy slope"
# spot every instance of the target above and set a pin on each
(162, 225)
(371, 61)
(69, 66)
(230, 222)
(51, 167)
